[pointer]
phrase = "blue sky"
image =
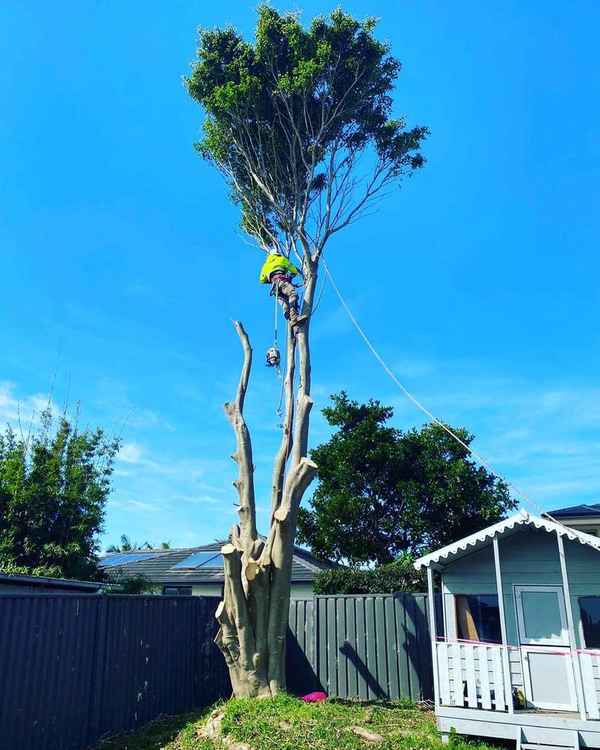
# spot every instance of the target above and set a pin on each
(122, 265)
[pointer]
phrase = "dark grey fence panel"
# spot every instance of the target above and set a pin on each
(74, 668)
(368, 647)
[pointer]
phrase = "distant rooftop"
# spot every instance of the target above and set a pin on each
(195, 564)
(580, 511)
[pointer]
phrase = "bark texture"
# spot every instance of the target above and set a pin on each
(253, 615)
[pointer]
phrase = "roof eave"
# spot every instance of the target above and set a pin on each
(510, 525)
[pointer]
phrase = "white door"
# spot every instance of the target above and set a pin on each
(544, 637)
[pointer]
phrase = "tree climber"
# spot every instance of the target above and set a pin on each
(279, 271)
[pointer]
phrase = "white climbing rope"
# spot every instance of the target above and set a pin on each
(484, 462)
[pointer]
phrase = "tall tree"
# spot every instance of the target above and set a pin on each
(299, 123)
(127, 545)
(383, 492)
(53, 489)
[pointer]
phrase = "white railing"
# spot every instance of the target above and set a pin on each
(471, 675)
(589, 662)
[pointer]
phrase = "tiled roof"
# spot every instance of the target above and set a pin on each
(509, 525)
(160, 568)
(583, 511)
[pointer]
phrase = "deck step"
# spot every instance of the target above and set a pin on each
(571, 737)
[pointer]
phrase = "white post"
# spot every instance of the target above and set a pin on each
(432, 631)
(505, 659)
(571, 626)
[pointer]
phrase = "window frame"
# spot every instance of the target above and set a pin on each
(179, 590)
(521, 633)
(453, 632)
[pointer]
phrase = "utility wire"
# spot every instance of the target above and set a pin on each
(484, 462)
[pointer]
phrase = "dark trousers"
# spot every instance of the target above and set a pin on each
(286, 295)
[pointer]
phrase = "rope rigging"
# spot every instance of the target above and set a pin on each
(484, 462)
(273, 359)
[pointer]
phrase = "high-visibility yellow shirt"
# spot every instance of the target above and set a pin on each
(276, 263)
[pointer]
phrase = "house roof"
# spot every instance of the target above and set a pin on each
(48, 583)
(577, 511)
(160, 567)
(503, 528)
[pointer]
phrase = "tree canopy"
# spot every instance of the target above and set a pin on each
(399, 575)
(128, 545)
(54, 485)
(289, 118)
(383, 492)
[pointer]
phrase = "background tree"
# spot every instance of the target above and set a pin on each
(299, 123)
(53, 490)
(399, 575)
(127, 545)
(383, 492)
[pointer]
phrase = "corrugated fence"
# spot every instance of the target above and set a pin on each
(76, 668)
(361, 647)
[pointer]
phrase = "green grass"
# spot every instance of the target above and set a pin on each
(286, 723)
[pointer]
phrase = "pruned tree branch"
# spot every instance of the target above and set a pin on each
(243, 453)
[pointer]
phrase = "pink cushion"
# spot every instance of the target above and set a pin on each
(315, 697)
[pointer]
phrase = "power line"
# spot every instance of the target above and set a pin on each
(484, 462)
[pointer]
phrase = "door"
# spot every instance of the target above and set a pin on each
(544, 638)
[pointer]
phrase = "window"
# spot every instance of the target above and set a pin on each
(177, 590)
(589, 607)
(478, 617)
(541, 615)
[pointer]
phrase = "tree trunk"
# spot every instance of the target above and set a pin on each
(253, 615)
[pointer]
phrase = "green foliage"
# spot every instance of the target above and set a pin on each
(127, 545)
(131, 584)
(170, 733)
(399, 575)
(287, 723)
(383, 492)
(288, 115)
(53, 489)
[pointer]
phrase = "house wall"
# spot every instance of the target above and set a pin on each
(300, 590)
(207, 589)
(529, 557)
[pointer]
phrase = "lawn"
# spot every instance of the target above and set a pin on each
(286, 723)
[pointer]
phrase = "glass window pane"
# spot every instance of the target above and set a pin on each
(541, 616)
(478, 618)
(589, 606)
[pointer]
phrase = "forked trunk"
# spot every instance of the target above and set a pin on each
(253, 615)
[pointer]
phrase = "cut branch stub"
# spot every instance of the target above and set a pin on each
(296, 484)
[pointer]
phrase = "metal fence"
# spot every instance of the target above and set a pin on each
(361, 647)
(74, 668)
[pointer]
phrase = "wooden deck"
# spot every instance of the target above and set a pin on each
(543, 729)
